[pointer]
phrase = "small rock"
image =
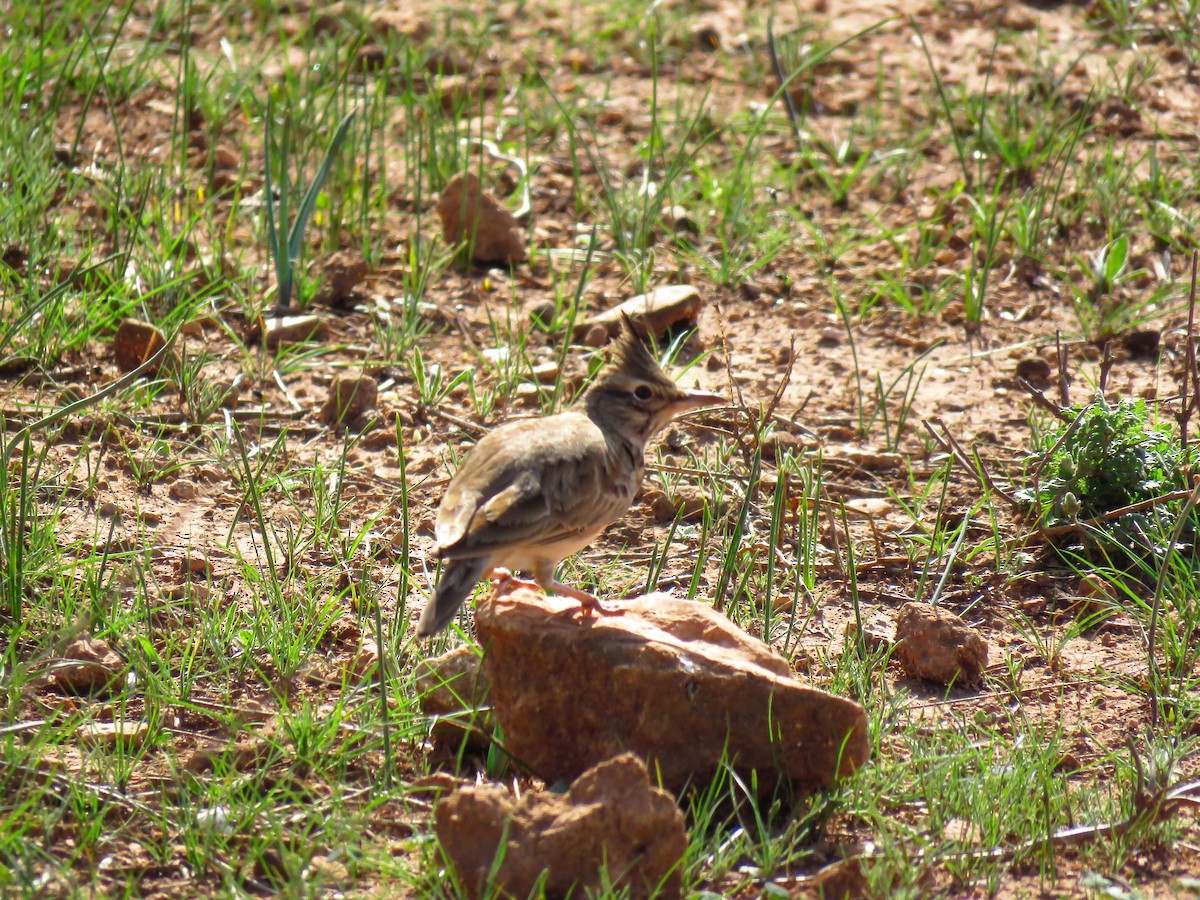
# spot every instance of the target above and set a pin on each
(470, 213)
(876, 633)
(290, 329)
(87, 665)
(658, 506)
(344, 272)
(497, 356)
(546, 373)
(453, 690)
(349, 397)
(215, 820)
(402, 23)
(706, 37)
(447, 61)
(935, 645)
(435, 785)
(72, 393)
(365, 658)
(871, 507)
(1035, 370)
(688, 503)
(594, 336)
(196, 564)
(611, 830)
(183, 489)
(656, 312)
(1016, 18)
(129, 735)
(691, 502)
(779, 443)
(1095, 597)
(136, 342)
(831, 337)
(541, 314)
(872, 460)
(1143, 344)
(226, 157)
(717, 694)
(681, 221)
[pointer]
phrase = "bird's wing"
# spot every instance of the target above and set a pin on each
(528, 483)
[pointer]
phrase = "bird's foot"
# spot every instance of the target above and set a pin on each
(588, 607)
(588, 603)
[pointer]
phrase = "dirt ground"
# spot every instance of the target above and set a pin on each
(159, 484)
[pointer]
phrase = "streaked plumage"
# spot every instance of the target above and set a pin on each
(534, 491)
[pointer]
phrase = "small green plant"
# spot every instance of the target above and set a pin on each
(430, 381)
(287, 254)
(1110, 483)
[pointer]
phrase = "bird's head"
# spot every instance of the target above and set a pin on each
(633, 396)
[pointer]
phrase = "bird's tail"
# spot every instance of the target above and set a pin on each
(457, 581)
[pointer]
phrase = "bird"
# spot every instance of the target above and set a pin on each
(532, 492)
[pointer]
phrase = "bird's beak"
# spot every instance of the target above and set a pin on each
(689, 400)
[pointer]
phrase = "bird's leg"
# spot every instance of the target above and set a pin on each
(588, 603)
(504, 580)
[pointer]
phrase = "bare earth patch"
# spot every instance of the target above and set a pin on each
(896, 285)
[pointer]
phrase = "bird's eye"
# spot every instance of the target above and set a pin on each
(642, 392)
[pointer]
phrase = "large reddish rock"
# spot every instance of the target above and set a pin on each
(672, 680)
(611, 829)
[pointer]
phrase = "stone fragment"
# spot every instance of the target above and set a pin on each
(364, 660)
(594, 336)
(129, 735)
(863, 458)
(471, 214)
(87, 665)
(681, 221)
(688, 503)
(242, 755)
(611, 830)
(777, 444)
(1143, 344)
(454, 691)
(278, 330)
(658, 506)
(136, 342)
(936, 645)
(344, 271)
(656, 312)
(401, 23)
(545, 372)
(349, 397)
(196, 564)
(1035, 370)
(183, 489)
(1096, 597)
(671, 680)
(877, 633)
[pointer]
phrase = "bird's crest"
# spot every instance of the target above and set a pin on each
(629, 356)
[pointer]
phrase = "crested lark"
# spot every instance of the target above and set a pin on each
(534, 491)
